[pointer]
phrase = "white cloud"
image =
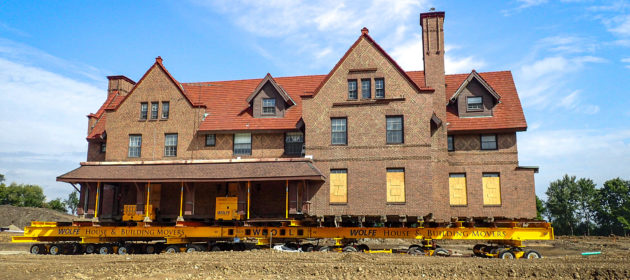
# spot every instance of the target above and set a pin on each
(42, 117)
(620, 25)
(530, 3)
(625, 60)
(598, 154)
(409, 57)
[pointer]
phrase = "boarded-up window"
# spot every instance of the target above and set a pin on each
(457, 189)
(491, 189)
(338, 186)
(395, 185)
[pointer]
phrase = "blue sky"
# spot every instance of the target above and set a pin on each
(570, 61)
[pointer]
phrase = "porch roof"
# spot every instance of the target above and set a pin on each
(194, 171)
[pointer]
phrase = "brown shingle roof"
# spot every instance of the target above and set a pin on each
(194, 172)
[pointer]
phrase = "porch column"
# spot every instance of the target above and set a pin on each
(146, 210)
(286, 215)
(180, 218)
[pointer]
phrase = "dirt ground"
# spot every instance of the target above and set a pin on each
(22, 216)
(562, 260)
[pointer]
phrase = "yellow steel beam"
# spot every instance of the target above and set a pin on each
(287, 200)
(181, 200)
(98, 189)
(248, 197)
(146, 210)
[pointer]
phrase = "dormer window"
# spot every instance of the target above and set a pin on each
(352, 89)
(379, 87)
(269, 106)
(474, 103)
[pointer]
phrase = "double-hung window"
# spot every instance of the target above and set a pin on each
(339, 131)
(242, 143)
(170, 145)
(269, 106)
(144, 108)
(488, 141)
(379, 88)
(165, 109)
(210, 140)
(135, 145)
(451, 146)
(395, 132)
(366, 88)
(474, 103)
(352, 89)
(293, 143)
(154, 110)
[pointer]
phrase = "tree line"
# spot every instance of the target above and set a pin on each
(577, 207)
(26, 195)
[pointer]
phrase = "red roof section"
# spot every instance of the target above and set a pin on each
(228, 108)
(226, 103)
(508, 114)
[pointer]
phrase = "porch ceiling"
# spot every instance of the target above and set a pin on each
(194, 172)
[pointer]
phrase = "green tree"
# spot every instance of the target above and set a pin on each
(540, 209)
(22, 195)
(1, 178)
(72, 202)
(585, 199)
(613, 208)
(56, 204)
(560, 205)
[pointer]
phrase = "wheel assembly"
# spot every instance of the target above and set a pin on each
(532, 254)
(55, 249)
(104, 250)
(172, 249)
(37, 249)
(506, 255)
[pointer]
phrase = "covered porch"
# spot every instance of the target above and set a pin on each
(193, 190)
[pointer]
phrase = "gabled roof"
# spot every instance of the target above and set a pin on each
(471, 76)
(365, 35)
(268, 79)
(99, 126)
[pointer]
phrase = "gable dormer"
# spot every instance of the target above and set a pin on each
(474, 97)
(269, 99)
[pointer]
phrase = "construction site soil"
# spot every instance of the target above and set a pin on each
(562, 260)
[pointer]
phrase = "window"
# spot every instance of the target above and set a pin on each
(135, 145)
(144, 107)
(339, 131)
(170, 145)
(103, 147)
(491, 189)
(457, 189)
(352, 89)
(210, 140)
(475, 103)
(338, 186)
(154, 110)
(451, 146)
(366, 88)
(242, 143)
(165, 108)
(488, 141)
(379, 87)
(395, 185)
(293, 143)
(269, 106)
(395, 130)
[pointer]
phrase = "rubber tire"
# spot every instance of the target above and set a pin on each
(506, 255)
(478, 250)
(325, 249)
(362, 248)
(415, 251)
(308, 247)
(216, 248)
(74, 249)
(532, 254)
(349, 249)
(194, 248)
(38, 249)
(90, 249)
(441, 252)
(55, 249)
(172, 249)
(150, 249)
(105, 250)
(124, 250)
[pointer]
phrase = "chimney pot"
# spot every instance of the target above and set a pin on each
(365, 31)
(158, 59)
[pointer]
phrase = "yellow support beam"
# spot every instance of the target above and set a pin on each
(249, 183)
(181, 203)
(98, 190)
(146, 211)
(287, 200)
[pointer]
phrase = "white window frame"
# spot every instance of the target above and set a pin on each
(170, 144)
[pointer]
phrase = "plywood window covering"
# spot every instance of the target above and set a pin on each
(352, 89)
(338, 186)
(395, 185)
(457, 189)
(491, 189)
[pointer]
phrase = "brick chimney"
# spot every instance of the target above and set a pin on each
(432, 24)
(119, 83)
